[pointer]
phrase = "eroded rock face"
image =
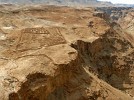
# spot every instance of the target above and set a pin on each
(57, 56)
(127, 22)
(111, 57)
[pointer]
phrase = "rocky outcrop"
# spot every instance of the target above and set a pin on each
(53, 54)
(111, 59)
(45, 74)
(126, 22)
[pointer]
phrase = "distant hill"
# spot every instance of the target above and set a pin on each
(48, 1)
(67, 2)
(60, 2)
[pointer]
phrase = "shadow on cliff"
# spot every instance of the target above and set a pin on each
(41, 87)
(104, 58)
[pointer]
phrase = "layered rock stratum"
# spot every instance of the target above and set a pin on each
(64, 53)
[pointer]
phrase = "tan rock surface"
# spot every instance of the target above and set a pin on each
(52, 53)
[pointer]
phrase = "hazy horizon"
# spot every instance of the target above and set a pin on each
(67, 1)
(120, 1)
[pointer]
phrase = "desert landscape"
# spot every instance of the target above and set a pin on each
(60, 52)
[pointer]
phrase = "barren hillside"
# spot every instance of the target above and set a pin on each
(64, 53)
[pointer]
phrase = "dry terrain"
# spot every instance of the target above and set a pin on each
(65, 53)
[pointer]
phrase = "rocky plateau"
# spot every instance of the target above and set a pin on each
(52, 52)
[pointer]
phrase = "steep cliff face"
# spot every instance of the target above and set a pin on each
(111, 59)
(121, 17)
(115, 13)
(62, 53)
(127, 22)
(111, 55)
